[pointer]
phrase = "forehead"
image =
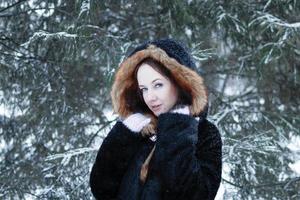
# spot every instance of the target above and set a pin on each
(146, 74)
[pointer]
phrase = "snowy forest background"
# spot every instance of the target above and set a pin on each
(58, 58)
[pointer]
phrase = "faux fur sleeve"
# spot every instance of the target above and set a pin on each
(112, 161)
(188, 157)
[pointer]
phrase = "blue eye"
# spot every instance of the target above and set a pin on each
(142, 89)
(158, 85)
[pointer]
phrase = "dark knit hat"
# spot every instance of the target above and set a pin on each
(175, 49)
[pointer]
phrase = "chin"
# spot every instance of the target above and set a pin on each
(156, 113)
(159, 113)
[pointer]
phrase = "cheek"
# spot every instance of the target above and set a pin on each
(146, 100)
(173, 95)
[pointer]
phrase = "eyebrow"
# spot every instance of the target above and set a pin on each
(151, 82)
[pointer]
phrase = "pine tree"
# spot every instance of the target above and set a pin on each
(57, 64)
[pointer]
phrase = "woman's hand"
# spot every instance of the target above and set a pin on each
(181, 109)
(136, 122)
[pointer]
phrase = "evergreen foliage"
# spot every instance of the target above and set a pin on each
(58, 58)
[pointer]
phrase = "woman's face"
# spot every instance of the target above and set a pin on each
(158, 92)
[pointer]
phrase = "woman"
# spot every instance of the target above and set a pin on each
(163, 147)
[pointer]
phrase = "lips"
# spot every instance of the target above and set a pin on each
(156, 108)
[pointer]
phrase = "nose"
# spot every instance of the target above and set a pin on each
(151, 96)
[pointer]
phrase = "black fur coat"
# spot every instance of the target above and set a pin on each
(186, 164)
(187, 159)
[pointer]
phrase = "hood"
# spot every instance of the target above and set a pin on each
(174, 57)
